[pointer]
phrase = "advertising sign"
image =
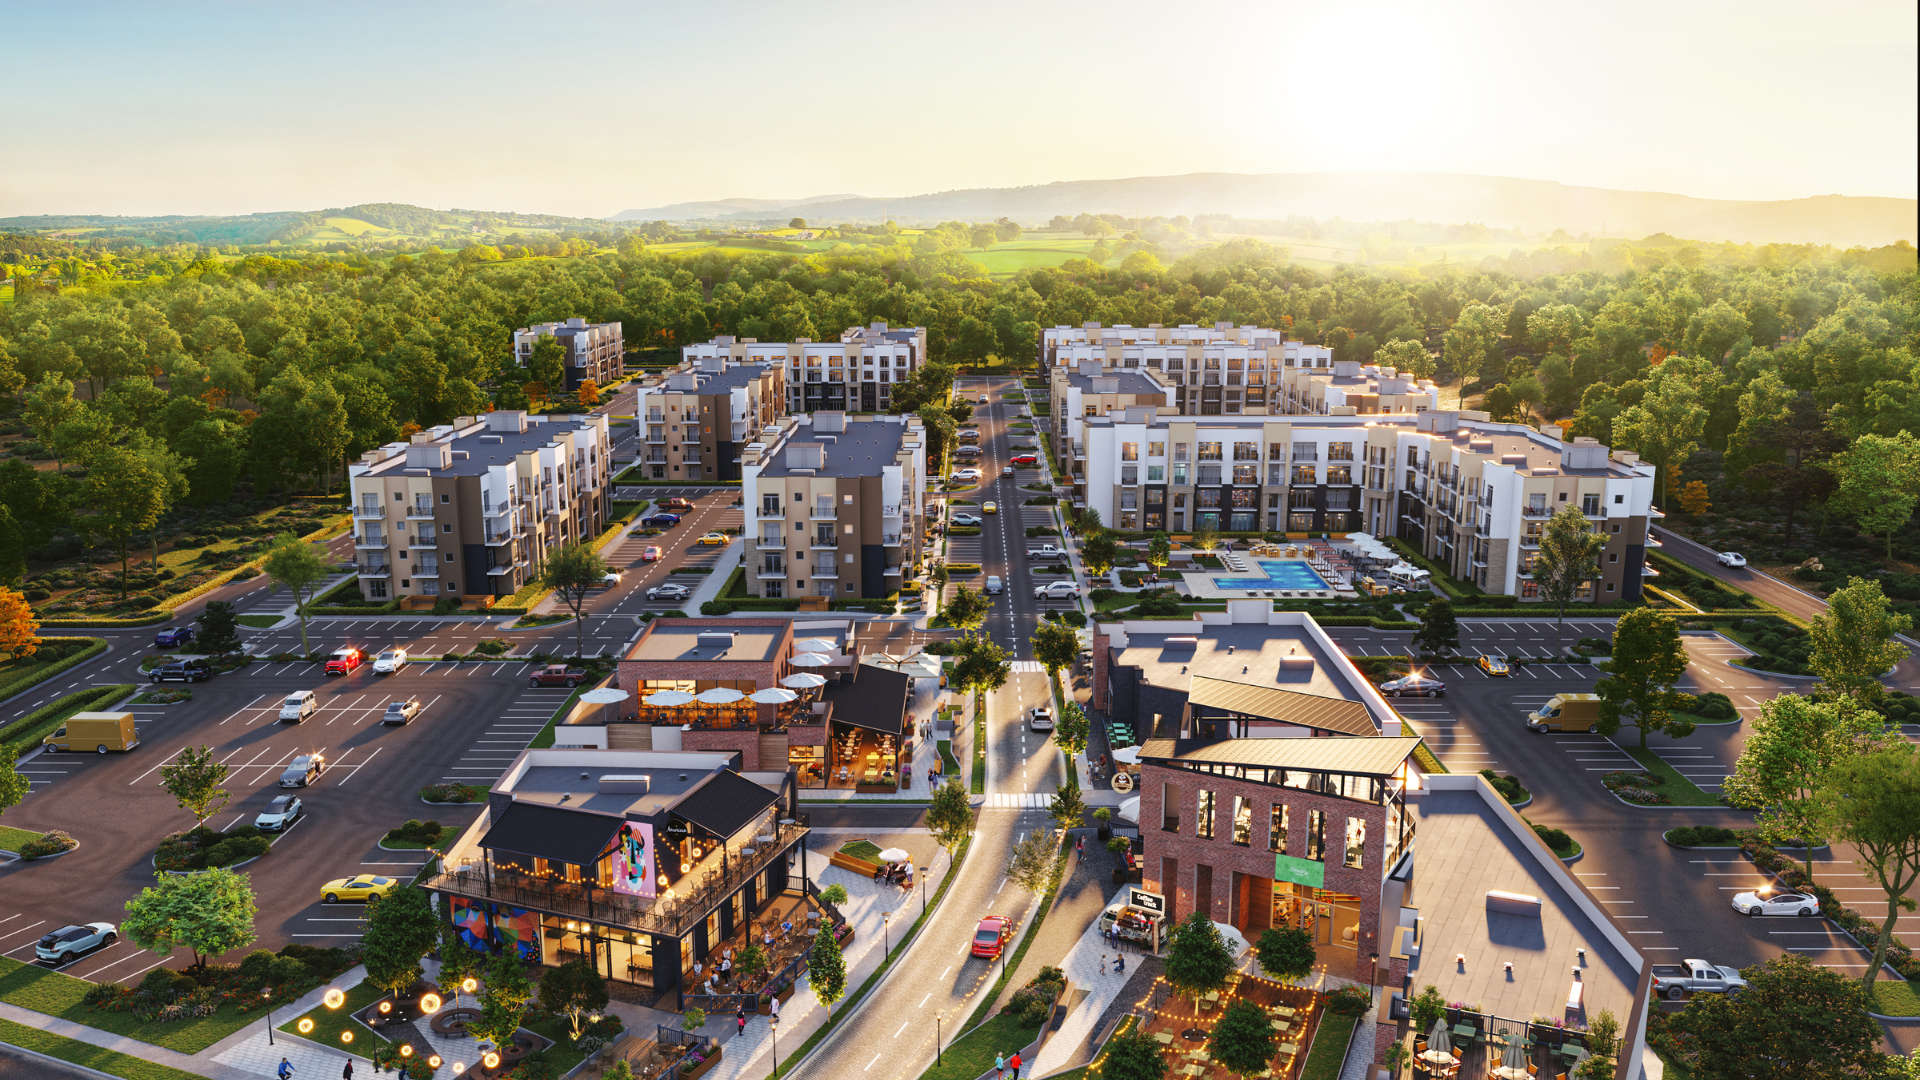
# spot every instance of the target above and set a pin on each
(1300, 871)
(1147, 901)
(633, 871)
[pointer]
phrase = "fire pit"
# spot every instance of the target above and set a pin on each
(454, 1021)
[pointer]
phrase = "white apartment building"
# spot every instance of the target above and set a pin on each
(855, 374)
(594, 350)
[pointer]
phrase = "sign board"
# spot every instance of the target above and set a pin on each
(1147, 901)
(678, 829)
(1300, 871)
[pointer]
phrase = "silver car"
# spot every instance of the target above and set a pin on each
(1041, 719)
(402, 711)
(279, 814)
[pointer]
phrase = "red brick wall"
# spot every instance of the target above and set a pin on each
(808, 735)
(1101, 642)
(1227, 858)
(745, 741)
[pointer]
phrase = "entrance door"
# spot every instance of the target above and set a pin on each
(1322, 924)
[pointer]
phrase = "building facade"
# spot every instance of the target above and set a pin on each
(471, 508)
(832, 506)
(696, 420)
(594, 350)
(855, 374)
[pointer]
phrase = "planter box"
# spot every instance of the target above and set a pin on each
(858, 866)
(693, 1072)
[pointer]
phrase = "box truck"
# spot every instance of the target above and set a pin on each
(95, 731)
(1567, 712)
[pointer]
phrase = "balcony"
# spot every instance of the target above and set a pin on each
(1652, 543)
(364, 543)
(419, 512)
(423, 540)
(1483, 530)
(892, 571)
(369, 513)
(774, 511)
(771, 542)
(890, 540)
(1654, 512)
(890, 511)
(824, 513)
(828, 572)
(656, 437)
(1530, 541)
(823, 542)
(375, 570)
(772, 575)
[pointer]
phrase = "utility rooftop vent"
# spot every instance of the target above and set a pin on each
(718, 640)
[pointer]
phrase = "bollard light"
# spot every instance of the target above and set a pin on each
(346, 1036)
(305, 1025)
(406, 1049)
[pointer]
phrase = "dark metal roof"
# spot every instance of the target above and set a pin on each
(553, 832)
(725, 803)
(1287, 706)
(1369, 757)
(876, 700)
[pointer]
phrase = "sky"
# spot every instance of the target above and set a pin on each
(589, 108)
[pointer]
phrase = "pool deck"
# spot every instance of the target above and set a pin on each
(1201, 585)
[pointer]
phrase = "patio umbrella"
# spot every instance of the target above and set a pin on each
(1514, 1057)
(1440, 1038)
(814, 644)
(1129, 809)
(772, 695)
(606, 695)
(1129, 755)
(810, 659)
(804, 680)
(719, 695)
(894, 854)
(1236, 941)
(669, 698)
(1360, 538)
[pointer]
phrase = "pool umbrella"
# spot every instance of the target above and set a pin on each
(810, 659)
(1360, 538)
(1440, 1038)
(669, 698)
(772, 695)
(814, 644)
(804, 680)
(894, 854)
(606, 695)
(1128, 755)
(719, 695)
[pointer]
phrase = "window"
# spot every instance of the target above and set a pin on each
(1317, 835)
(1156, 474)
(1129, 474)
(1590, 505)
(1413, 455)
(1276, 451)
(446, 528)
(1242, 821)
(1618, 499)
(1209, 451)
(378, 590)
(1203, 816)
(1170, 807)
(1156, 449)
(1277, 829)
(1613, 557)
(1179, 454)
(1129, 451)
(1356, 842)
(429, 588)
(1340, 451)
(1246, 451)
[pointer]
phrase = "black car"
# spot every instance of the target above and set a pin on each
(1415, 685)
(182, 671)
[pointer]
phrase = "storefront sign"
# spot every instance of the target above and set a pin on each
(1300, 871)
(678, 829)
(1147, 901)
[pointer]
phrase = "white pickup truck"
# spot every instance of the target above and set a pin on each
(1696, 977)
(1046, 551)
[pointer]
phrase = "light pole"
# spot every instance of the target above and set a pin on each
(268, 994)
(886, 940)
(924, 871)
(774, 1028)
(936, 1038)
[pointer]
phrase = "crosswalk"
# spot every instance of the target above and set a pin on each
(1024, 801)
(1028, 667)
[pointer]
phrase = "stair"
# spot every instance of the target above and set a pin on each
(773, 750)
(630, 736)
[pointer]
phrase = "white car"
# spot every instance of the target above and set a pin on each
(299, 705)
(966, 474)
(1041, 719)
(983, 399)
(669, 592)
(1776, 903)
(1731, 559)
(993, 585)
(1056, 590)
(279, 813)
(610, 578)
(966, 519)
(390, 661)
(69, 942)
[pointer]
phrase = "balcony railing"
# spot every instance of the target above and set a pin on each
(890, 540)
(369, 513)
(418, 511)
(378, 570)
(423, 540)
(1527, 541)
(772, 512)
(828, 571)
(772, 575)
(824, 542)
(772, 542)
(824, 513)
(1651, 542)
(377, 540)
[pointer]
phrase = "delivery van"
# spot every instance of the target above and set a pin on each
(1567, 712)
(95, 731)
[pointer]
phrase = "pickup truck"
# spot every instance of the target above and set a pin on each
(1046, 551)
(1696, 977)
(557, 675)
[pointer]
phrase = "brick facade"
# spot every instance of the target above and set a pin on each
(1102, 645)
(742, 741)
(763, 673)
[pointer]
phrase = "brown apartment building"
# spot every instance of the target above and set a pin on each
(594, 350)
(696, 421)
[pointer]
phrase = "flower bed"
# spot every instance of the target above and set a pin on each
(52, 842)
(163, 697)
(1637, 787)
(1866, 932)
(452, 793)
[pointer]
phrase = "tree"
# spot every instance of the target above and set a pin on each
(1472, 346)
(1783, 768)
(1853, 642)
(400, 930)
(1205, 538)
(826, 971)
(1553, 328)
(1877, 810)
(1070, 729)
(194, 781)
(1133, 1055)
(1067, 808)
(128, 495)
(1285, 954)
(573, 572)
(1793, 1019)
(458, 960)
(1439, 631)
(13, 548)
(980, 665)
(967, 610)
(1097, 554)
(207, 913)
(503, 999)
(219, 628)
(547, 366)
(1880, 481)
(13, 786)
(797, 223)
(1031, 863)
(1638, 688)
(1694, 498)
(1663, 427)
(1056, 646)
(1159, 552)
(950, 816)
(19, 630)
(50, 404)
(1569, 558)
(589, 393)
(1406, 357)
(575, 989)
(295, 565)
(1197, 959)
(1242, 1039)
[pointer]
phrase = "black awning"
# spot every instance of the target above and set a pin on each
(553, 833)
(725, 803)
(876, 700)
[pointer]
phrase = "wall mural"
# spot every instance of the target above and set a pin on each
(633, 860)
(470, 917)
(518, 926)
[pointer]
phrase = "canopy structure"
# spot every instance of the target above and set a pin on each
(719, 695)
(1236, 941)
(803, 680)
(1129, 755)
(1129, 810)
(810, 659)
(772, 695)
(1360, 538)
(668, 698)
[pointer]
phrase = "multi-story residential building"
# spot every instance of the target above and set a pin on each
(855, 374)
(594, 350)
(832, 505)
(694, 422)
(471, 508)
(1470, 494)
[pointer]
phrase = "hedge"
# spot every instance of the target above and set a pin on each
(1452, 586)
(27, 682)
(36, 725)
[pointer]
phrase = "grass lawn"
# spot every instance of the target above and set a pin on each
(861, 849)
(1329, 1047)
(20, 669)
(1891, 998)
(949, 765)
(545, 736)
(1678, 788)
(59, 995)
(972, 1054)
(87, 1055)
(261, 621)
(330, 1024)
(11, 839)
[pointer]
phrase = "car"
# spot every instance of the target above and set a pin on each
(1056, 590)
(1046, 551)
(343, 661)
(676, 504)
(173, 637)
(182, 671)
(993, 585)
(279, 813)
(966, 519)
(966, 474)
(1024, 459)
(967, 434)
(661, 521)
(367, 887)
(610, 578)
(71, 942)
(983, 399)
(1767, 902)
(299, 705)
(390, 661)
(650, 553)
(1732, 559)
(989, 507)
(669, 592)
(557, 675)
(712, 539)
(990, 937)
(1494, 665)
(1008, 471)
(402, 711)
(1040, 719)
(968, 452)
(1414, 685)
(1677, 981)
(303, 770)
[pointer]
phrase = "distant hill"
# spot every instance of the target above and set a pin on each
(1535, 206)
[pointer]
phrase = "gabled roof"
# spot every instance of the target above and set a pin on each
(1367, 757)
(725, 803)
(552, 832)
(1286, 706)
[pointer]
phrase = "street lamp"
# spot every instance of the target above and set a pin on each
(1373, 974)
(773, 1028)
(886, 941)
(267, 993)
(924, 871)
(936, 1038)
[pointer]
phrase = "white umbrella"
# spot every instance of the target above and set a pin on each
(1129, 810)
(810, 659)
(1236, 942)
(772, 695)
(1128, 755)
(719, 695)
(894, 854)
(606, 695)
(814, 644)
(1514, 1058)
(669, 698)
(804, 680)
(1359, 538)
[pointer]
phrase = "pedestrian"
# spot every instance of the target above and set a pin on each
(726, 969)
(285, 1070)
(1103, 963)
(741, 1016)
(776, 1008)
(1013, 1066)
(999, 1066)
(1120, 963)
(347, 1073)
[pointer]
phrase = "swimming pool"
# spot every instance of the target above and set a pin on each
(1281, 574)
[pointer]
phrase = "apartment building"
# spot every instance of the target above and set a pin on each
(1470, 494)
(855, 374)
(832, 505)
(695, 421)
(471, 508)
(594, 350)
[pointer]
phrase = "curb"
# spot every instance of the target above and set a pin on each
(525, 629)
(1771, 674)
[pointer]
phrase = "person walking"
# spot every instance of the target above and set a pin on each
(347, 1073)
(999, 1066)
(1103, 963)
(776, 1008)
(1013, 1066)
(742, 1017)
(1080, 846)
(285, 1070)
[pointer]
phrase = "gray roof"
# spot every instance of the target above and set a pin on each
(734, 377)
(483, 453)
(1273, 703)
(1223, 651)
(863, 449)
(1130, 382)
(547, 783)
(1370, 757)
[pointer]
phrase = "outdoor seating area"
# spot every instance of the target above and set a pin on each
(865, 760)
(784, 930)
(1171, 1020)
(1464, 1044)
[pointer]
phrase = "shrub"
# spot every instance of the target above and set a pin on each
(1601, 646)
(716, 607)
(446, 605)
(1701, 836)
(1073, 618)
(1557, 839)
(256, 966)
(100, 993)
(1030, 1006)
(451, 793)
(158, 982)
(51, 843)
(1102, 595)
(1714, 705)
(1349, 1001)
(1508, 786)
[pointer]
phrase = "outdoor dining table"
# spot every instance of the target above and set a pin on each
(1508, 1073)
(1465, 1031)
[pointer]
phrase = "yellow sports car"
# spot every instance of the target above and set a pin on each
(715, 539)
(1493, 665)
(365, 887)
(989, 508)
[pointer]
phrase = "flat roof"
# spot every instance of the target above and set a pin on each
(864, 448)
(736, 375)
(545, 784)
(1222, 651)
(1369, 757)
(1130, 381)
(484, 453)
(679, 640)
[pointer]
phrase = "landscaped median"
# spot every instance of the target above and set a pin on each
(54, 655)
(1659, 784)
(25, 733)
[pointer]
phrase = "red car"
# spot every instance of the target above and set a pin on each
(1025, 459)
(990, 937)
(557, 675)
(343, 661)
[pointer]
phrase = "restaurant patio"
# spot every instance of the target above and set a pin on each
(1171, 1020)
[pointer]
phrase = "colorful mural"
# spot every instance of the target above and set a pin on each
(470, 917)
(518, 926)
(633, 871)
